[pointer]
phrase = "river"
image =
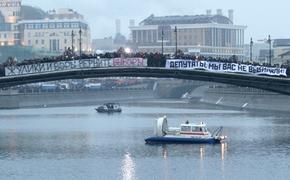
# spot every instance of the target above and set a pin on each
(73, 143)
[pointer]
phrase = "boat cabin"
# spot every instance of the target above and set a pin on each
(112, 105)
(194, 129)
(109, 108)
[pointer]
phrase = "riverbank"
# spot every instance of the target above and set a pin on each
(246, 99)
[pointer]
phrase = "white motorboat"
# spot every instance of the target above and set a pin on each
(187, 133)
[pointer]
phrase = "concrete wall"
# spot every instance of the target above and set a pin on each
(242, 98)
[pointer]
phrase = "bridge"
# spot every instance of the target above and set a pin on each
(274, 84)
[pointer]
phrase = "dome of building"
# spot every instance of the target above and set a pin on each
(197, 19)
(31, 13)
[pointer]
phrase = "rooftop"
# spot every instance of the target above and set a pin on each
(281, 42)
(193, 19)
(31, 13)
(285, 54)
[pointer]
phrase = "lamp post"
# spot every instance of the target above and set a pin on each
(175, 30)
(251, 49)
(162, 42)
(72, 41)
(270, 50)
(80, 32)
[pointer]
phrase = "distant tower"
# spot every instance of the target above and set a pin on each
(132, 23)
(219, 12)
(10, 9)
(231, 15)
(118, 26)
(208, 12)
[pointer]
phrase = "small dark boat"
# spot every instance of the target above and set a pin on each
(109, 108)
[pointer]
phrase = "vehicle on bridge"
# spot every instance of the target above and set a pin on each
(109, 108)
(187, 133)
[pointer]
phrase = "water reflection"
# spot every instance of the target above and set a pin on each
(224, 149)
(191, 150)
(128, 167)
(164, 152)
(201, 152)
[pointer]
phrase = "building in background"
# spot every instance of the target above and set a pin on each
(264, 56)
(23, 27)
(9, 16)
(109, 44)
(103, 45)
(206, 35)
(259, 50)
(119, 40)
(57, 32)
(281, 48)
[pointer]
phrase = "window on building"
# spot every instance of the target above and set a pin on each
(15, 27)
(65, 41)
(54, 45)
(42, 41)
(51, 25)
(75, 25)
(16, 36)
(36, 41)
(66, 25)
(59, 25)
(30, 26)
(29, 42)
(37, 26)
(45, 26)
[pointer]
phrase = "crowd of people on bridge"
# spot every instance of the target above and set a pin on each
(153, 59)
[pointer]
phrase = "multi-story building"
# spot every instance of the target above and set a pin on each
(59, 31)
(206, 35)
(9, 16)
(281, 49)
(51, 33)
(260, 51)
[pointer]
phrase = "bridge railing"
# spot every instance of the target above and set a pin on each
(102, 60)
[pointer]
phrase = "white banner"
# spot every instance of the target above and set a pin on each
(73, 65)
(224, 67)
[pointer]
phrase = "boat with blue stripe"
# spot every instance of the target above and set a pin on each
(187, 133)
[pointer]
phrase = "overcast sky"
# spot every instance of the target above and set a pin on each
(261, 17)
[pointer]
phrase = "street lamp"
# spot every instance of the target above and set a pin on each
(72, 41)
(270, 50)
(175, 30)
(251, 49)
(162, 41)
(80, 32)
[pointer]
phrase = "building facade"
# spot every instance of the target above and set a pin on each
(206, 35)
(53, 32)
(61, 30)
(9, 16)
(281, 48)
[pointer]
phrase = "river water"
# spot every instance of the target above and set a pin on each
(73, 143)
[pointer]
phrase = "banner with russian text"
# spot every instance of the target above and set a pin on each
(224, 67)
(37, 68)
